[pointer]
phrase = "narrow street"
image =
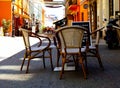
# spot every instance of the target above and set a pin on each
(38, 77)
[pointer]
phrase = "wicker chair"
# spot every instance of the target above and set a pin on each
(38, 51)
(93, 50)
(70, 42)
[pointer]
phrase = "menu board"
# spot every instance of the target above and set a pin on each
(85, 24)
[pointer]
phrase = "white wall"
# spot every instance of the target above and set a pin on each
(102, 13)
(116, 6)
(57, 12)
(99, 13)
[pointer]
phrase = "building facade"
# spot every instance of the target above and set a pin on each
(20, 12)
(95, 11)
(101, 10)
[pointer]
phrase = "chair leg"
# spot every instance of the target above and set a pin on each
(85, 58)
(99, 60)
(86, 66)
(22, 64)
(44, 59)
(75, 61)
(62, 70)
(23, 61)
(58, 57)
(50, 52)
(28, 65)
(83, 67)
(84, 72)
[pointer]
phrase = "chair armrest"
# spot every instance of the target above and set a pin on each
(35, 35)
(99, 29)
(32, 34)
(116, 27)
(40, 39)
(97, 36)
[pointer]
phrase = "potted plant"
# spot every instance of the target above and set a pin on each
(5, 25)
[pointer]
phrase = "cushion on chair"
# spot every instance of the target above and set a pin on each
(92, 47)
(38, 48)
(74, 50)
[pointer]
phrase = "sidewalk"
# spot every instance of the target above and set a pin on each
(11, 45)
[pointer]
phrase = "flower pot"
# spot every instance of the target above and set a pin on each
(5, 31)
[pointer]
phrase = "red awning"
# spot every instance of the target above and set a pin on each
(72, 9)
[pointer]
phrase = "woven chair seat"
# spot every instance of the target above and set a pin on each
(74, 50)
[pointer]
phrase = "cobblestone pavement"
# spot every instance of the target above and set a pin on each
(11, 54)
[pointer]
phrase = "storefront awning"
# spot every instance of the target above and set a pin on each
(73, 9)
(26, 16)
(16, 15)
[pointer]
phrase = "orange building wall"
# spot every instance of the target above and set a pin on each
(78, 14)
(83, 12)
(5, 11)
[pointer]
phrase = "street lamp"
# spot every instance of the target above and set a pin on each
(13, 23)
